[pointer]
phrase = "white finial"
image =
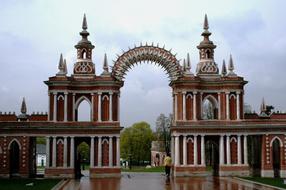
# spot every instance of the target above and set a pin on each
(231, 67)
(61, 67)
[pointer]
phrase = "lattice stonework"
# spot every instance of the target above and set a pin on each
(84, 67)
(147, 53)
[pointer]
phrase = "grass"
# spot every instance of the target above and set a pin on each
(38, 184)
(144, 169)
(277, 182)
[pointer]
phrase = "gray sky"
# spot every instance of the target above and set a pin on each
(33, 33)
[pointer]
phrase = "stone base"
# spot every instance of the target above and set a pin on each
(59, 173)
(184, 171)
(105, 172)
(283, 173)
(234, 170)
(4, 175)
(267, 173)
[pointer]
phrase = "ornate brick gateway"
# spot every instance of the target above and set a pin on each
(210, 127)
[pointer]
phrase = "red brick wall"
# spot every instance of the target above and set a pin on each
(232, 108)
(190, 152)
(233, 150)
(180, 105)
(24, 155)
(8, 117)
(60, 154)
(60, 109)
(105, 108)
(105, 154)
(189, 108)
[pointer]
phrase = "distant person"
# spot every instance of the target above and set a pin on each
(168, 164)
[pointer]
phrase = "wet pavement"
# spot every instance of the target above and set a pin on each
(157, 181)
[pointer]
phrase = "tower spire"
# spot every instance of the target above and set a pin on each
(23, 107)
(105, 66)
(206, 65)
(84, 66)
(231, 67)
(188, 65)
(61, 66)
(223, 69)
(84, 23)
(206, 22)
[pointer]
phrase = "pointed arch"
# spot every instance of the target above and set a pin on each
(60, 141)
(280, 141)
(79, 100)
(60, 97)
(209, 108)
(77, 105)
(233, 139)
(14, 140)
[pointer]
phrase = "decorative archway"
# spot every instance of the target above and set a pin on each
(209, 108)
(147, 53)
(14, 154)
(77, 105)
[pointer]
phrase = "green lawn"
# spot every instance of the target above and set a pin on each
(277, 182)
(20, 184)
(144, 169)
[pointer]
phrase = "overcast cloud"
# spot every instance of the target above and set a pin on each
(33, 33)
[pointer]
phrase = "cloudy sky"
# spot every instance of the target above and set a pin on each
(33, 33)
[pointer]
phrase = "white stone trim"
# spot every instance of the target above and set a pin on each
(273, 139)
(17, 141)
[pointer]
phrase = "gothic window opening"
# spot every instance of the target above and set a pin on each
(84, 54)
(83, 109)
(276, 158)
(14, 158)
(209, 108)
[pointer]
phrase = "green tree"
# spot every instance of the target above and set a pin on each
(136, 142)
(83, 149)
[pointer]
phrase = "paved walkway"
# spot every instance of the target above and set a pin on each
(157, 181)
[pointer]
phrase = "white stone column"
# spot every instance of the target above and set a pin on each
(47, 152)
(73, 106)
(184, 150)
(110, 151)
(184, 105)
(221, 150)
(195, 106)
(99, 161)
(219, 106)
(65, 152)
(99, 106)
(195, 150)
(110, 106)
(66, 107)
(172, 149)
(238, 150)
(227, 150)
(176, 106)
(72, 153)
(92, 107)
(118, 151)
(55, 107)
(118, 107)
(227, 105)
(92, 151)
(54, 162)
(245, 150)
(201, 103)
(177, 151)
(49, 106)
(237, 105)
(203, 162)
